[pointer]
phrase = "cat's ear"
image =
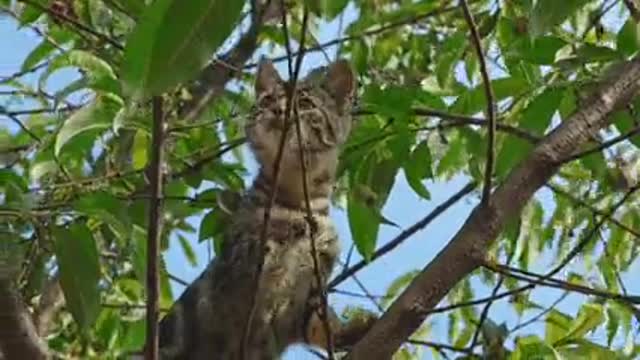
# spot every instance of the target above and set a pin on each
(267, 77)
(341, 80)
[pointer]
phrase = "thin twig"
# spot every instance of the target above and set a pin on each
(38, 111)
(382, 29)
(265, 226)
(607, 254)
(595, 20)
(154, 230)
(440, 346)
(447, 308)
(24, 72)
(549, 281)
(292, 106)
(634, 9)
(434, 214)
(485, 311)
(541, 314)
(608, 217)
(491, 109)
(22, 126)
(73, 23)
(587, 238)
(605, 145)
(453, 120)
(178, 280)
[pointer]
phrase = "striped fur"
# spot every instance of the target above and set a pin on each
(208, 320)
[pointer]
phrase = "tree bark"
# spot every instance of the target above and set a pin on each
(466, 251)
(18, 336)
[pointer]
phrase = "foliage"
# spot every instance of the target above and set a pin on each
(74, 157)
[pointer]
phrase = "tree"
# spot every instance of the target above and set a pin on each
(533, 102)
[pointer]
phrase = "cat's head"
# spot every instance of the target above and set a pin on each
(323, 98)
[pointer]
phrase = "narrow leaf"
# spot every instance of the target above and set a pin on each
(96, 116)
(173, 41)
(77, 256)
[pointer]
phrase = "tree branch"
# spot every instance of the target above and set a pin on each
(489, 97)
(154, 229)
(467, 249)
(434, 214)
(595, 211)
(634, 9)
(544, 280)
(51, 301)
(18, 336)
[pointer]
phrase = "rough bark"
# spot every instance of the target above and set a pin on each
(51, 301)
(466, 251)
(18, 336)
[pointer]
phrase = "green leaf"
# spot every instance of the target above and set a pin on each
(625, 124)
(548, 13)
(107, 328)
(134, 336)
(613, 325)
(454, 158)
(364, 224)
(187, 249)
(628, 39)
(583, 349)
(393, 101)
(139, 256)
(464, 337)
(449, 55)
(531, 347)
(472, 102)
(536, 118)
(36, 55)
(589, 317)
(543, 50)
(108, 209)
(79, 268)
(212, 227)
(608, 271)
(329, 9)
(133, 7)
(9, 179)
(99, 73)
(418, 167)
(556, 326)
(173, 41)
(140, 150)
(42, 168)
(96, 116)
(589, 53)
(32, 13)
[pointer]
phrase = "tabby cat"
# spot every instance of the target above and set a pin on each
(208, 321)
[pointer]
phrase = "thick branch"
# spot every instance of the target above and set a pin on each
(467, 249)
(18, 336)
(51, 301)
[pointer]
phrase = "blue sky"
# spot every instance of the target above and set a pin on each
(403, 207)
